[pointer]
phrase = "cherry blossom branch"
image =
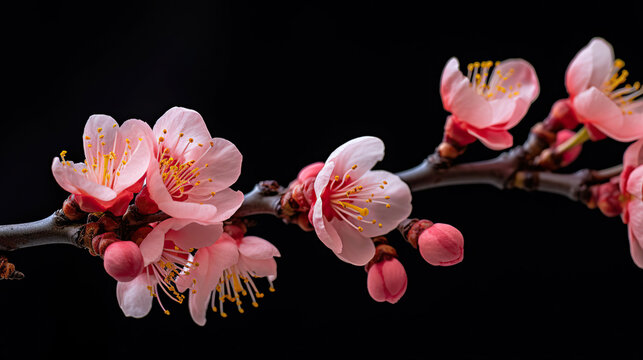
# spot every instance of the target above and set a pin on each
(54, 229)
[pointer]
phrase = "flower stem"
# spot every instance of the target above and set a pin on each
(580, 137)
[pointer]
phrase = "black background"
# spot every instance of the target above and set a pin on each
(542, 277)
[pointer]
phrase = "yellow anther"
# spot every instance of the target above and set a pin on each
(379, 225)
(387, 197)
(99, 129)
(84, 170)
(336, 177)
(167, 312)
(161, 138)
(164, 131)
(388, 206)
(87, 137)
(618, 63)
(190, 140)
(181, 135)
(384, 182)
(374, 221)
(213, 193)
(62, 155)
(101, 136)
(361, 211)
(360, 229)
(354, 167)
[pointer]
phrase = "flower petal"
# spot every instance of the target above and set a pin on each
(495, 139)
(451, 79)
(594, 107)
(363, 151)
(138, 158)
(219, 167)
(99, 129)
(357, 249)
(399, 201)
(180, 125)
(470, 107)
(590, 67)
(187, 234)
(635, 184)
(518, 78)
(134, 297)
(71, 179)
(256, 248)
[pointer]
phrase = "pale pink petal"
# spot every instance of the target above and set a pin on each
(635, 183)
(322, 179)
(187, 234)
(363, 151)
(256, 248)
(219, 167)
(633, 156)
(325, 230)
(95, 127)
(258, 267)
(594, 107)
(399, 201)
(134, 296)
(635, 208)
(198, 302)
(470, 107)
(451, 79)
(495, 139)
(636, 251)
(518, 79)
(152, 245)
(177, 121)
(590, 67)
(76, 183)
(226, 203)
(357, 249)
(138, 159)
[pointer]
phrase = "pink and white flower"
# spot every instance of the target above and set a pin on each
(167, 258)
(631, 185)
(354, 203)
(593, 80)
(116, 160)
(386, 280)
(486, 103)
(191, 172)
(226, 272)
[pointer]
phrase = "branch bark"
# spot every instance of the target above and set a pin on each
(54, 229)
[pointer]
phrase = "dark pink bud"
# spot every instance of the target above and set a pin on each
(118, 206)
(572, 154)
(310, 171)
(144, 202)
(608, 197)
(562, 116)
(102, 241)
(386, 280)
(441, 245)
(123, 261)
(72, 210)
(455, 134)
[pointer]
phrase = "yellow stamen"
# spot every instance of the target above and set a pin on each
(361, 211)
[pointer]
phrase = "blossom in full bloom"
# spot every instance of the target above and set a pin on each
(631, 183)
(600, 98)
(166, 252)
(226, 272)
(354, 203)
(489, 101)
(116, 160)
(191, 172)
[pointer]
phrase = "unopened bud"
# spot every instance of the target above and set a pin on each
(441, 245)
(386, 280)
(236, 231)
(102, 241)
(123, 260)
(561, 116)
(607, 197)
(72, 210)
(572, 154)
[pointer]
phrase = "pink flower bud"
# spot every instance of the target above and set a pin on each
(562, 116)
(102, 241)
(442, 245)
(607, 197)
(123, 260)
(144, 202)
(386, 280)
(572, 154)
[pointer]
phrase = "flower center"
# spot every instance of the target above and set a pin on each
(234, 283)
(179, 176)
(174, 263)
(104, 165)
(350, 201)
(624, 96)
(491, 87)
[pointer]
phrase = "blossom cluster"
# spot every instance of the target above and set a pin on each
(160, 208)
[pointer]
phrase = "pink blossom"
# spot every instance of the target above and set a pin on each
(226, 272)
(593, 82)
(632, 192)
(191, 172)
(116, 159)
(166, 252)
(485, 104)
(441, 245)
(386, 280)
(572, 154)
(354, 203)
